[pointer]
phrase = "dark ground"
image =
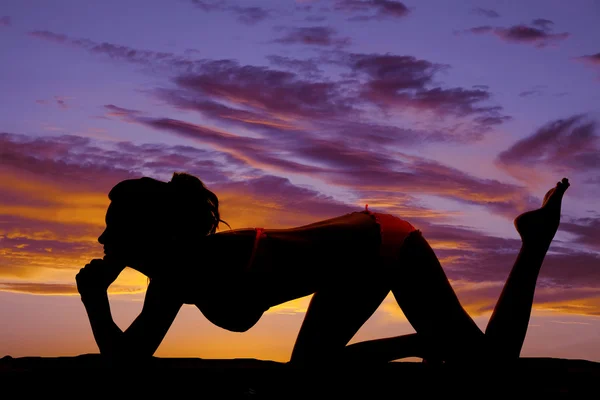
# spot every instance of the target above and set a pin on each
(90, 375)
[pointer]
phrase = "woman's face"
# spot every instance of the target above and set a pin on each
(130, 235)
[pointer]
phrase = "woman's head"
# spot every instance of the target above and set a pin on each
(147, 217)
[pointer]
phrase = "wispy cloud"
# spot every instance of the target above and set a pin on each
(313, 36)
(587, 231)
(593, 59)
(392, 83)
(404, 81)
(538, 33)
(364, 10)
(486, 12)
(249, 15)
(535, 91)
(60, 289)
(565, 146)
(59, 101)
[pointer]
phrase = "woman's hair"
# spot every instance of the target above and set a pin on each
(186, 208)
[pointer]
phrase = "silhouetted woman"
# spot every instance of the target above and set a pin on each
(167, 231)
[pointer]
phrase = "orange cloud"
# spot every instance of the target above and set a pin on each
(59, 289)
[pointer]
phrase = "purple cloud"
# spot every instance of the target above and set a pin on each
(387, 81)
(534, 91)
(527, 34)
(375, 9)
(586, 229)
(403, 81)
(251, 15)
(246, 15)
(480, 29)
(266, 89)
(118, 52)
(59, 101)
(593, 59)
(481, 258)
(299, 119)
(538, 34)
(572, 143)
(114, 111)
(314, 36)
(315, 18)
(309, 68)
(5, 21)
(341, 163)
(544, 24)
(486, 12)
(74, 160)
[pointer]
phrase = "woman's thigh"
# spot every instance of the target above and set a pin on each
(334, 316)
(428, 301)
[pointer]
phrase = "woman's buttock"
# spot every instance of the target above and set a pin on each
(393, 232)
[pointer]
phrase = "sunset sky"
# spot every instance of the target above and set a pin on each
(454, 115)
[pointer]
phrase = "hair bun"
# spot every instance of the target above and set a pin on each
(193, 201)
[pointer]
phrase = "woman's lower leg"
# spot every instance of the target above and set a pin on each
(506, 330)
(379, 351)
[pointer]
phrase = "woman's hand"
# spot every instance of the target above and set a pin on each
(97, 276)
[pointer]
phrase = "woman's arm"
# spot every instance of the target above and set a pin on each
(147, 331)
(145, 334)
(106, 332)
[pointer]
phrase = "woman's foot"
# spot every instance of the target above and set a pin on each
(538, 227)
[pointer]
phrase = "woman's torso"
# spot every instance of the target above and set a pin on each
(287, 263)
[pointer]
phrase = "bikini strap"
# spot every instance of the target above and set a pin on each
(259, 233)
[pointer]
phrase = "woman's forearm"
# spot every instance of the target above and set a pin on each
(107, 334)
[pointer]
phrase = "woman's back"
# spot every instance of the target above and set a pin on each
(287, 264)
